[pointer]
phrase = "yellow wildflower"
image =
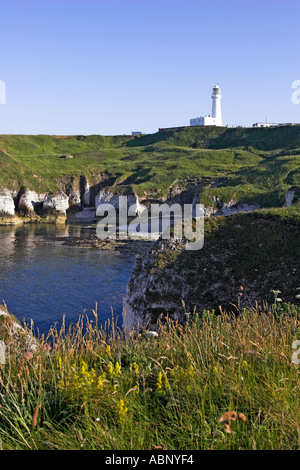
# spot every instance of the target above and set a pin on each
(117, 369)
(111, 369)
(100, 383)
(161, 386)
(245, 365)
(114, 370)
(122, 410)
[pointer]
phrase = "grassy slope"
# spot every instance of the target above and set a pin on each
(257, 165)
(34, 161)
(259, 251)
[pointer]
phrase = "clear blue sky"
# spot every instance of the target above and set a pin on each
(116, 66)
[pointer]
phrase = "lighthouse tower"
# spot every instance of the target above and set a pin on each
(216, 117)
(216, 105)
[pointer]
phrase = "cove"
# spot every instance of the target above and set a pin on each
(43, 280)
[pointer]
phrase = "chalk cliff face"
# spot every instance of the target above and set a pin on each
(290, 196)
(57, 202)
(79, 199)
(7, 205)
(232, 207)
(85, 192)
(148, 294)
(14, 334)
(30, 202)
(75, 200)
(108, 197)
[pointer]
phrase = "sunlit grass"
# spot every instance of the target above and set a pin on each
(86, 389)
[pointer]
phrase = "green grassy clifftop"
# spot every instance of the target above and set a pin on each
(242, 164)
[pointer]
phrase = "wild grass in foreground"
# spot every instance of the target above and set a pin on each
(217, 382)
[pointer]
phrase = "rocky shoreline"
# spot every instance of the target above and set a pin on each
(80, 197)
(78, 203)
(138, 247)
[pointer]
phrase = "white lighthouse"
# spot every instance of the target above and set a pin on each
(216, 105)
(215, 119)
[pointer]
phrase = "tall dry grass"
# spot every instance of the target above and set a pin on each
(93, 387)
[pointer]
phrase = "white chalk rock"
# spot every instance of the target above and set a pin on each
(74, 199)
(120, 202)
(57, 202)
(7, 205)
(290, 196)
(30, 201)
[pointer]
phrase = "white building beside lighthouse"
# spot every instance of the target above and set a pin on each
(215, 119)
